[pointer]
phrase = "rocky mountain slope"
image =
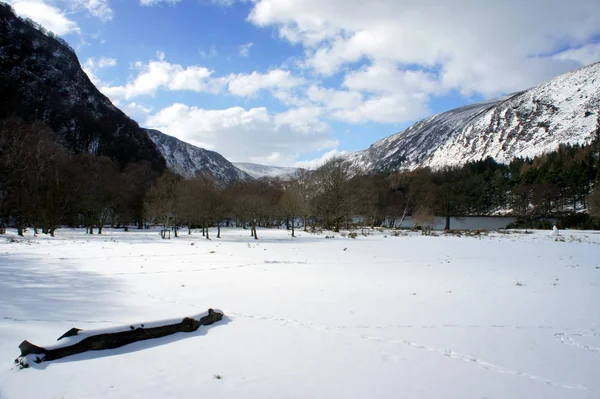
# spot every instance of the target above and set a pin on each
(41, 80)
(563, 110)
(188, 160)
(259, 171)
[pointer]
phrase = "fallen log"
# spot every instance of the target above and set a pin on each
(79, 341)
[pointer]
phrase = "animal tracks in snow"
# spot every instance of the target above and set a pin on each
(346, 331)
(343, 330)
(571, 339)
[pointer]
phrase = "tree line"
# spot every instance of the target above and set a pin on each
(43, 186)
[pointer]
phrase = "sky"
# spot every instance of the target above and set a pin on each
(293, 82)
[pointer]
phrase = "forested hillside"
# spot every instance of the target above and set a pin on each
(41, 81)
(44, 186)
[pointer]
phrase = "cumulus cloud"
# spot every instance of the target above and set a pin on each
(252, 135)
(244, 84)
(159, 74)
(50, 17)
(52, 14)
(477, 46)
(136, 111)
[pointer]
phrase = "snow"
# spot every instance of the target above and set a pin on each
(258, 171)
(189, 160)
(563, 110)
(505, 315)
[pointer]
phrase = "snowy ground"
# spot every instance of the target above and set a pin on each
(499, 316)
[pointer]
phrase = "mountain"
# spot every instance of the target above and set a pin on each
(41, 80)
(564, 110)
(258, 171)
(189, 160)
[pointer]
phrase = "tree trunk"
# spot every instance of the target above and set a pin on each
(207, 234)
(293, 228)
(100, 229)
(447, 224)
(337, 225)
(20, 231)
(176, 232)
(112, 340)
(218, 230)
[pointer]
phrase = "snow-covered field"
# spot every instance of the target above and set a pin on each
(499, 316)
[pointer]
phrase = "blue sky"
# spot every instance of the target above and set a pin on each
(290, 82)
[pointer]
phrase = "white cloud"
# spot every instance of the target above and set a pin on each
(334, 99)
(102, 62)
(476, 46)
(136, 111)
(154, 2)
(249, 84)
(106, 62)
(584, 55)
(320, 161)
(253, 135)
(51, 18)
(160, 74)
(91, 66)
(386, 77)
(52, 14)
(245, 49)
(97, 8)
(386, 108)
(225, 3)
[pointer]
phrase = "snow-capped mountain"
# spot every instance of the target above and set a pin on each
(564, 110)
(189, 160)
(259, 171)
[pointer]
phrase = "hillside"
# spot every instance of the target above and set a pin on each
(525, 124)
(259, 171)
(189, 160)
(41, 79)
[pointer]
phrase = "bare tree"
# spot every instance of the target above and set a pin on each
(98, 186)
(333, 199)
(161, 201)
(292, 202)
(210, 200)
(594, 202)
(424, 217)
